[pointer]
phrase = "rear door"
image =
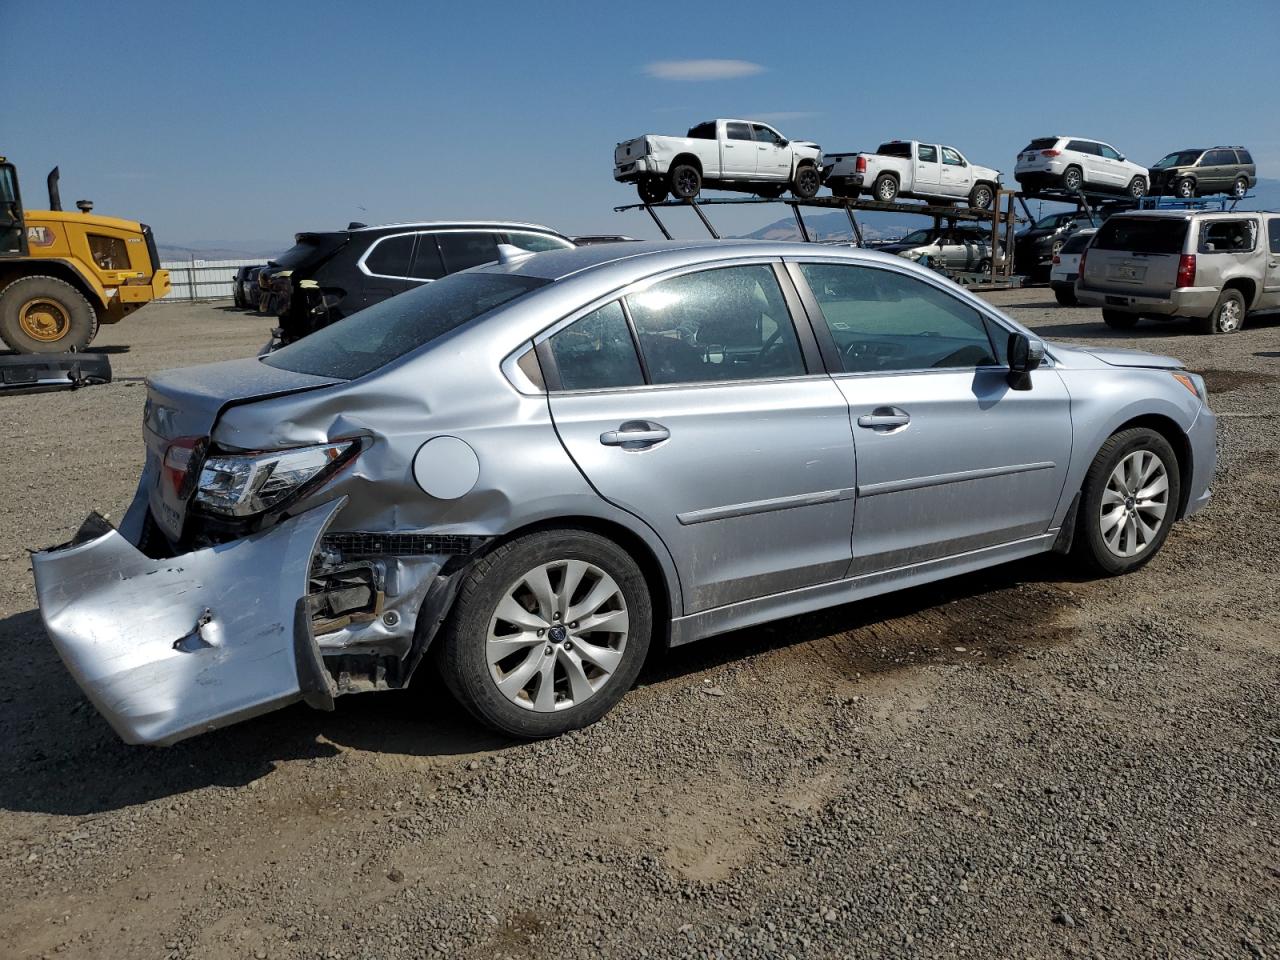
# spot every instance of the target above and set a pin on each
(1271, 285)
(928, 170)
(386, 268)
(721, 433)
(1136, 256)
(462, 249)
(1217, 170)
(1089, 156)
(738, 150)
(950, 458)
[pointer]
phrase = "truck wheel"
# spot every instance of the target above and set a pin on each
(771, 192)
(1128, 502)
(1227, 316)
(653, 190)
(806, 183)
(1138, 188)
(686, 181)
(1119, 320)
(1185, 188)
(1065, 296)
(45, 315)
(885, 189)
(981, 197)
(1240, 188)
(548, 632)
(1072, 178)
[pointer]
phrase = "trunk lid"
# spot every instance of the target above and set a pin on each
(1136, 256)
(181, 409)
(628, 150)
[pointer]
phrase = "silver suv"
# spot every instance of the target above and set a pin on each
(1213, 268)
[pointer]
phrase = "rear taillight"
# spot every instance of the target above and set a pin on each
(1050, 153)
(1187, 270)
(1080, 268)
(860, 165)
(1057, 260)
(179, 457)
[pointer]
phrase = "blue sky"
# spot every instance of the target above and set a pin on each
(248, 122)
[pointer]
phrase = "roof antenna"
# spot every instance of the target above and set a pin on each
(507, 253)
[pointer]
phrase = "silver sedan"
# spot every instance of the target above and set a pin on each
(535, 471)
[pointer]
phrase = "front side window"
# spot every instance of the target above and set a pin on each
(882, 320)
(109, 253)
(952, 158)
(390, 256)
(1182, 158)
(376, 335)
(729, 323)
(737, 131)
(537, 242)
(1109, 152)
(1228, 236)
(597, 352)
(764, 135)
(463, 249)
(927, 153)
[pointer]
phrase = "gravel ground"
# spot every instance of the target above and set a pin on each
(1020, 763)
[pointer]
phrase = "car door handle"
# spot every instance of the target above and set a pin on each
(635, 435)
(884, 418)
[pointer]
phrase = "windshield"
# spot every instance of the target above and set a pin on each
(373, 337)
(919, 236)
(1183, 158)
(1141, 235)
(1051, 221)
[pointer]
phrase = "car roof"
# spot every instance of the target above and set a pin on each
(1187, 214)
(455, 225)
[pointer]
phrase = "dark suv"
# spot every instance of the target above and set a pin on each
(324, 277)
(1198, 173)
(1035, 247)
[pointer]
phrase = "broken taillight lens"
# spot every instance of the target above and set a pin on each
(178, 458)
(247, 484)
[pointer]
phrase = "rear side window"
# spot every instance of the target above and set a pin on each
(376, 335)
(1142, 235)
(597, 352)
(1040, 143)
(1077, 243)
(463, 249)
(737, 131)
(703, 131)
(390, 256)
(427, 264)
(1228, 236)
(1219, 158)
(882, 320)
(1084, 146)
(537, 242)
(928, 154)
(1273, 234)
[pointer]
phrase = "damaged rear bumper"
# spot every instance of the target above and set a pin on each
(169, 648)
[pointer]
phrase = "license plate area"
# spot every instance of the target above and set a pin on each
(1127, 272)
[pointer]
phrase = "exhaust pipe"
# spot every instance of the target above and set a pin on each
(55, 199)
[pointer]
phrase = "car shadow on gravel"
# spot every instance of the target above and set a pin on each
(60, 757)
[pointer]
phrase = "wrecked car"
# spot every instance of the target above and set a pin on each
(530, 472)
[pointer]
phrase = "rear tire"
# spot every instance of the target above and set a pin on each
(806, 183)
(686, 181)
(1240, 189)
(46, 315)
(652, 190)
(1065, 297)
(1072, 178)
(885, 188)
(1227, 316)
(1118, 320)
(1128, 502)
(479, 647)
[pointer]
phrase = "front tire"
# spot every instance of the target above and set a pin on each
(686, 181)
(1138, 188)
(548, 633)
(806, 183)
(1119, 320)
(46, 315)
(981, 197)
(1129, 501)
(1227, 316)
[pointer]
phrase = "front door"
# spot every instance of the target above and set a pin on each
(950, 457)
(955, 174)
(13, 237)
(719, 433)
(773, 161)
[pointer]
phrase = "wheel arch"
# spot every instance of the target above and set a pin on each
(58, 270)
(689, 158)
(1248, 288)
(1177, 438)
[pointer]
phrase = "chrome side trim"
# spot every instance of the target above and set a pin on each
(764, 506)
(917, 483)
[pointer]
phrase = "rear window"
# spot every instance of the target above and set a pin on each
(1077, 243)
(308, 250)
(1142, 235)
(1043, 143)
(373, 337)
(894, 150)
(1245, 156)
(703, 131)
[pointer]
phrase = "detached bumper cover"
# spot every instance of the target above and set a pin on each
(166, 649)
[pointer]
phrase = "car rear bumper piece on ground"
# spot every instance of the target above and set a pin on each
(169, 648)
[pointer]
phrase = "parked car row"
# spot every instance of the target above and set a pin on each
(245, 292)
(751, 156)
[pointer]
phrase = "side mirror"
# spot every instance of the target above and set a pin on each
(1123, 158)
(1025, 354)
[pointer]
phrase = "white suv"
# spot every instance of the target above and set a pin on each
(1074, 163)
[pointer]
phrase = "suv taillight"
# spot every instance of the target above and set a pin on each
(1050, 153)
(1057, 260)
(1187, 270)
(860, 165)
(1080, 268)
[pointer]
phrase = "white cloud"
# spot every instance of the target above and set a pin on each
(702, 69)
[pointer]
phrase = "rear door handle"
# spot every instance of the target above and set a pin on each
(635, 435)
(884, 418)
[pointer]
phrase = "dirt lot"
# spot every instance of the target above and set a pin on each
(1018, 763)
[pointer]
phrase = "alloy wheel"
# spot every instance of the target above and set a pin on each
(1134, 503)
(1230, 316)
(557, 636)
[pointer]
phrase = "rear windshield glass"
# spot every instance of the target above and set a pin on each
(365, 341)
(1183, 158)
(894, 150)
(307, 251)
(1077, 243)
(1141, 235)
(1043, 143)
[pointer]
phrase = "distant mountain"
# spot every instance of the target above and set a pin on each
(220, 250)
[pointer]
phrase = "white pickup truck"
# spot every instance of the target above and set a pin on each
(907, 168)
(726, 154)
